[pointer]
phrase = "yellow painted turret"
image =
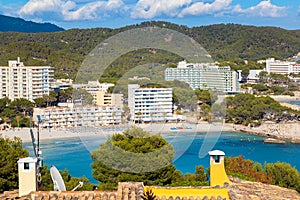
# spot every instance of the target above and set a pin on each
(218, 174)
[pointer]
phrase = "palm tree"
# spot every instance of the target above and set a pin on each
(18, 119)
(149, 195)
(139, 114)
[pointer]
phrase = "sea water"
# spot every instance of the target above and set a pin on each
(73, 154)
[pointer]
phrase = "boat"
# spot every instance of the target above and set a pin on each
(274, 141)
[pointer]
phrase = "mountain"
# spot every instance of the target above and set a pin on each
(66, 50)
(20, 25)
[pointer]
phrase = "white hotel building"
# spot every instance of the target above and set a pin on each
(29, 82)
(88, 116)
(281, 67)
(204, 76)
(149, 104)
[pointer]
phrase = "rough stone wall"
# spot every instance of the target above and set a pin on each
(238, 190)
(130, 191)
(247, 190)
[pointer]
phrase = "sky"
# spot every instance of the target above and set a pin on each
(118, 13)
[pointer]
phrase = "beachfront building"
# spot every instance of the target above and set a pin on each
(103, 98)
(204, 76)
(281, 67)
(28, 82)
(149, 104)
(69, 116)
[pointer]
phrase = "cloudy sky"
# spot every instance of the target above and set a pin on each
(118, 13)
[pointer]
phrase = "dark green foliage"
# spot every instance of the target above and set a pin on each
(51, 98)
(284, 175)
(21, 105)
(66, 50)
(15, 112)
(260, 87)
(10, 152)
(151, 162)
(20, 25)
(200, 174)
(247, 109)
(40, 102)
(82, 96)
(277, 84)
(206, 96)
(279, 173)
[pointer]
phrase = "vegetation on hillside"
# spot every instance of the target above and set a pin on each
(66, 50)
(247, 109)
(20, 25)
(279, 173)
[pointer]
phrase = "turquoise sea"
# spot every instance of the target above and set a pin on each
(295, 102)
(74, 153)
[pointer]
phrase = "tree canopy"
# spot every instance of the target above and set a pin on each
(134, 156)
(10, 152)
(247, 109)
(66, 50)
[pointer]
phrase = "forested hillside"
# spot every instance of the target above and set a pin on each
(20, 25)
(66, 50)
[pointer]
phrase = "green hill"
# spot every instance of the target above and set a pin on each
(20, 25)
(65, 50)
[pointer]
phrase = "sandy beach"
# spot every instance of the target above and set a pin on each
(287, 131)
(46, 134)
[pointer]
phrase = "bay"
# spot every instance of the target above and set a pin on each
(73, 154)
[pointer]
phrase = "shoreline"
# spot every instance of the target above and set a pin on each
(269, 130)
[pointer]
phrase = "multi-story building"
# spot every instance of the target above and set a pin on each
(150, 104)
(204, 76)
(29, 82)
(104, 99)
(281, 67)
(93, 87)
(253, 77)
(54, 117)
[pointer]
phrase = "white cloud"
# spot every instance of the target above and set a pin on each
(200, 8)
(69, 10)
(148, 9)
(263, 9)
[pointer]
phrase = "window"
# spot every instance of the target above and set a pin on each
(26, 166)
(217, 159)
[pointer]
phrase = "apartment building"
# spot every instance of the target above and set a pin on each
(94, 87)
(204, 76)
(281, 67)
(104, 99)
(29, 82)
(150, 104)
(69, 116)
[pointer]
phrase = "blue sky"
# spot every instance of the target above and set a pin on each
(117, 13)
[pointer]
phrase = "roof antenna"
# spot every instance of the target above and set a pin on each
(59, 184)
(36, 147)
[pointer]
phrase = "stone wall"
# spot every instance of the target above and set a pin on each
(238, 190)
